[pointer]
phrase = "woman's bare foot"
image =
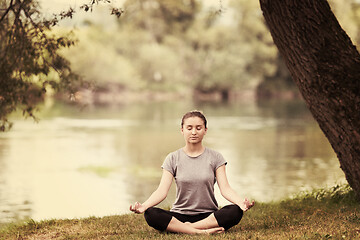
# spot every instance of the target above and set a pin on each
(208, 231)
(214, 230)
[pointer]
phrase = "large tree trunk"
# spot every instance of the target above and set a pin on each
(325, 65)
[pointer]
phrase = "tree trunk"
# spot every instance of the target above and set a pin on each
(325, 65)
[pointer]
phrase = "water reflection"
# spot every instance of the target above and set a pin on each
(97, 161)
(14, 200)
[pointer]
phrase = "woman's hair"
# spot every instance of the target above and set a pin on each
(194, 113)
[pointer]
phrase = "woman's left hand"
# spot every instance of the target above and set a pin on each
(246, 205)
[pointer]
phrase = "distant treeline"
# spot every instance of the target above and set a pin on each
(184, 48)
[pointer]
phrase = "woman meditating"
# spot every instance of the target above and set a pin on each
(195, 169)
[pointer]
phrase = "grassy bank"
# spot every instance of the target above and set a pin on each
(322, 214)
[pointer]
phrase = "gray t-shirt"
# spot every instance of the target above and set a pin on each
(195, 179)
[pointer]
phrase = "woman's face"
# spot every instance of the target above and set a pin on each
(193, 130)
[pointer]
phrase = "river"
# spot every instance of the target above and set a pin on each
(95, 161)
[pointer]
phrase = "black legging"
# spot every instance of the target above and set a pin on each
(226, 217)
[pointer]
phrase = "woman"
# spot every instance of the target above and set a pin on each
(196, 169)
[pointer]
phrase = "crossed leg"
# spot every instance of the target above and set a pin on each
(206, 226)
(216, 222)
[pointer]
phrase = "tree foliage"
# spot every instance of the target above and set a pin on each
(30, 59)
(177, 46)
(28, 53)
(161, 17)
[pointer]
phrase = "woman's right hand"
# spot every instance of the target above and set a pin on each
(137, 208)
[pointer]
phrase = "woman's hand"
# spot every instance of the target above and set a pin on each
(246, 205)
(137, 208)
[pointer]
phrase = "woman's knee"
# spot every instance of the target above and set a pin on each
(151, 214)
(237, 211)
(229, 216)
(157, 218)
(150, 211)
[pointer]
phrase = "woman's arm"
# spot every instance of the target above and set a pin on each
(228, 193)
(157, 196)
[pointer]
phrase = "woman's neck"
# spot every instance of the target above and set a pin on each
(194, 150)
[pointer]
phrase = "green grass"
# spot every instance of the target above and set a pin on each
(322, 214)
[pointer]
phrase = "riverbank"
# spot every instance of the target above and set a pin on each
(114, 95)
(321, 214)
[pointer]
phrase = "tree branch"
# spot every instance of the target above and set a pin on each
(7, 11)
